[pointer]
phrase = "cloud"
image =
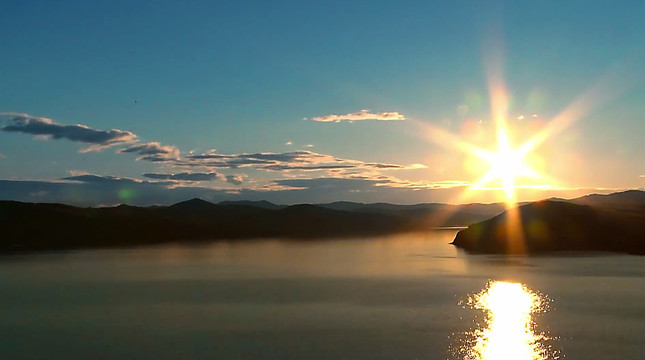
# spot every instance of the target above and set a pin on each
(152, 151)
(255, 159)
(341, 165)
(46, 128)
(306, 168)
(289, 143)
(3, 156)
(101, 179)
(78, 172)
(361, 115)
(210, 176)
(235, 179)
(291, 161)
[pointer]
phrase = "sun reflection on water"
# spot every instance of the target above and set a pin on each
(508, 332)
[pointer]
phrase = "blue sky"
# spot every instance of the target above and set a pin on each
(179, 81)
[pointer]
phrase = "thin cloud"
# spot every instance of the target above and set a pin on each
(152, 151)
(236, 179)
(210, 176)
(78, 172)
(102, 179)
(305, 168)
(255, 159)
(361, 115)
(45, 128)
(302, 160)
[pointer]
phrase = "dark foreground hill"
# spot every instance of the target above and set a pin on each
(613, 223)
(29, 227)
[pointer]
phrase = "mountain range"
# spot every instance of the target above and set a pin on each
(594, 222)
(42, 226)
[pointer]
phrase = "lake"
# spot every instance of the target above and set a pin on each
(394, 297)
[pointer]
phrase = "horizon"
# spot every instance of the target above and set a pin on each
(519, 203)
(145, 104)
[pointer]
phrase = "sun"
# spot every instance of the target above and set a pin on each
(506, 164)
(500, 166)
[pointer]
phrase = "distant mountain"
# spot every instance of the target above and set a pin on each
(614, 222)
(28, 226)
(623, 200)
(261, 204)
(457, 212)
(193, 205)
(377, 207)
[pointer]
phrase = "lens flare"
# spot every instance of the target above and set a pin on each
(508, 333)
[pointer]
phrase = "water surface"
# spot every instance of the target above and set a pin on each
(397, 297)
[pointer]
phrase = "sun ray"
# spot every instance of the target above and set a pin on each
(508, 163)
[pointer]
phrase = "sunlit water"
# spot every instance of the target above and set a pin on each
(508, 333)
(399, 297)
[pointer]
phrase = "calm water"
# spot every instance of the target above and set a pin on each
(399, 297)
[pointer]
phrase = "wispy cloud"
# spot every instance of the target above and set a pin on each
(46, 128)
(152, 151)
(78, 172)
(197, 176)
(361, 115)
(301, 160)
(255, 159)
(286, 167)
(3, 156)
(236, 179)
(102, 179)
(194, 168)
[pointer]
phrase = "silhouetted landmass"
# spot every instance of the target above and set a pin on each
(30, 227)
(261, 203)
(614, 222)
(461, 214)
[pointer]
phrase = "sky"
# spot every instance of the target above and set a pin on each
(146, 103)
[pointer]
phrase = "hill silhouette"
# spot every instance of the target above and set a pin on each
(30, 227)
(614, 222)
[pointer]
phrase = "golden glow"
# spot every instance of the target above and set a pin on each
(501, 167)
(508, 334)
(506, 164)
(512, 163)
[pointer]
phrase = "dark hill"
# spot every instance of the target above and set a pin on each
(28, 226)
(261, 204)
(193, 205)
(626, 200)
(551, 226)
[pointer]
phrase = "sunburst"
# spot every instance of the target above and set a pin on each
(506, 164)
